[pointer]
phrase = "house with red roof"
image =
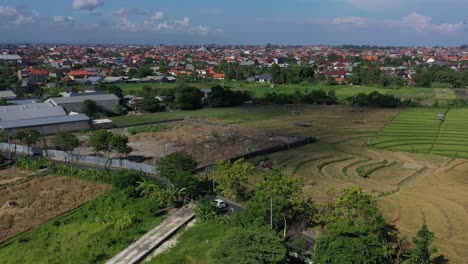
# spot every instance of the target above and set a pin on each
(33, 75)
(79, 74)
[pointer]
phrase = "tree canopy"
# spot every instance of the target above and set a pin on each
(249, 246)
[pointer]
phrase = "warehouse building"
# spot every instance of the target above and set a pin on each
(47, 125)
(43, 117)
(107, 102)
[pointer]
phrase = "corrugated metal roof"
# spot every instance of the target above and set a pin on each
(7, 94)
(80, 99)
(9, 57)
(29, 113)
(42, 121)
(25, 106)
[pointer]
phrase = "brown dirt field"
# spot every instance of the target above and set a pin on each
(206, 142)
(40, 199)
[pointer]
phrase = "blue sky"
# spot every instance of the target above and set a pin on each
(373, 22)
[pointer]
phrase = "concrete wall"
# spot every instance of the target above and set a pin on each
(53, 129)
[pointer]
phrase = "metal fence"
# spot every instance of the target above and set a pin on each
(84, 159)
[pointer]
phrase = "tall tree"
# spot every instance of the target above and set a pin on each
(105, 142)
(249, 246)
(89, 108)
(232, 178)
(65, 141)
(421, 254)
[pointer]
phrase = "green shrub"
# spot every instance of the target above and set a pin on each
(147, 129)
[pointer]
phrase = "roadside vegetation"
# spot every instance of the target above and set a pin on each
(98, 230)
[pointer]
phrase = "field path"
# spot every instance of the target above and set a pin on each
(154, 238)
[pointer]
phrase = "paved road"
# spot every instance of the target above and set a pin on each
(154, 238)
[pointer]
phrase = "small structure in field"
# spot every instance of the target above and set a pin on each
(441, 117)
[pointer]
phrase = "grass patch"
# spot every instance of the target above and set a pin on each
(231, 115)
(147, 129)
(79, 237)
(194, 244)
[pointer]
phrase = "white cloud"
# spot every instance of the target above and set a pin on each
(9, 15)
(89, 5)
(413, 22)
(157, 23)
(200, 30)
(355, 21)
(184, 22)
(126, 25)
(158, 16)
(126, 11)
(7, 12)
(65, 20)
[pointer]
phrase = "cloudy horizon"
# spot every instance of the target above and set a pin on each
(299, 22)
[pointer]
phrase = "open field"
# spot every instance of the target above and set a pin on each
(420, 186)
(32, 200)
(231, 115)
(419, 130)
(208, 142)
(439, 199)
(93, 233)
(258, 90)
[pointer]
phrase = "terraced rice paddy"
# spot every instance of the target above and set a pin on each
(414, 187)
(420, 131)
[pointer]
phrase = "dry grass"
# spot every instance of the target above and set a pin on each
(439, 199)
(416, 188)
(39, 199)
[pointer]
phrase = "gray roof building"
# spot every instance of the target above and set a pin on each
(7, 95)
(80, 99)
(11, 114)
(27, 123)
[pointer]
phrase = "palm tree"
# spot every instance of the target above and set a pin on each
(147, 187)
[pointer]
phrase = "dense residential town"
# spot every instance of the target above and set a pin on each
(232, 132)
(62, 65)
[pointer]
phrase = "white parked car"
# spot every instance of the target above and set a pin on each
(219, 203)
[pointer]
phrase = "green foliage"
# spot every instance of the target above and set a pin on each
(375, 99)
(232, 178)
(177, 161)
(3, 102)
(168, 196)
(116, 90)
(91, 234)
(178, 168)
(249, 246)
(346, 243)
(65, 141)
(194, 244)
(223, 97)
(188, 98)
(279, 192)
(206, 212)
(147, 129)
(150, 105)
(421, 254)
(312, 97)
(355, 208)
(89, 108)
(106, 142)
(356, 231)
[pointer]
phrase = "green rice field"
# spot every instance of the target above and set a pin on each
(420, 130)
